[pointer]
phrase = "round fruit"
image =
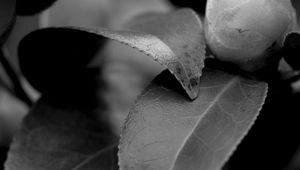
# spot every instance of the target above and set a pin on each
(248, 33)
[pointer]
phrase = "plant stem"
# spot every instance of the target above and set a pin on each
(18, 90)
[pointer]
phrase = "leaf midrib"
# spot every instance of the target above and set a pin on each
(212, 103)
(89, 158)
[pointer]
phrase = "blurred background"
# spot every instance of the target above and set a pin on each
(126, 72)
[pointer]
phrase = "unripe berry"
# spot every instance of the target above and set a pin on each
(248, 32)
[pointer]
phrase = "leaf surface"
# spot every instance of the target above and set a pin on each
(53, 60)
(178, 43)
(175, 40)
(60, 138)
(165, 131)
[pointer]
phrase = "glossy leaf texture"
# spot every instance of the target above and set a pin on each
(56, 137)
(32, 7)
(166, 131)
(182, 31)
(178, 43)
(7, 15)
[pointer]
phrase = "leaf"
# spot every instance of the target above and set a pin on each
(276, 126)
(165, 131)
(53, 60)
(56, 137)
(7, 15)
(178, 44)
(31, 7)
(180, 47)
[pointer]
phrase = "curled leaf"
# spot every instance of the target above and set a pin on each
(176, 40)
(165, 131)
(177, 44)
(55, 60)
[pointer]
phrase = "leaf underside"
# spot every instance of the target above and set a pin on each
(175, 40)
(53, 138)
(56, 60)
(165, 131)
